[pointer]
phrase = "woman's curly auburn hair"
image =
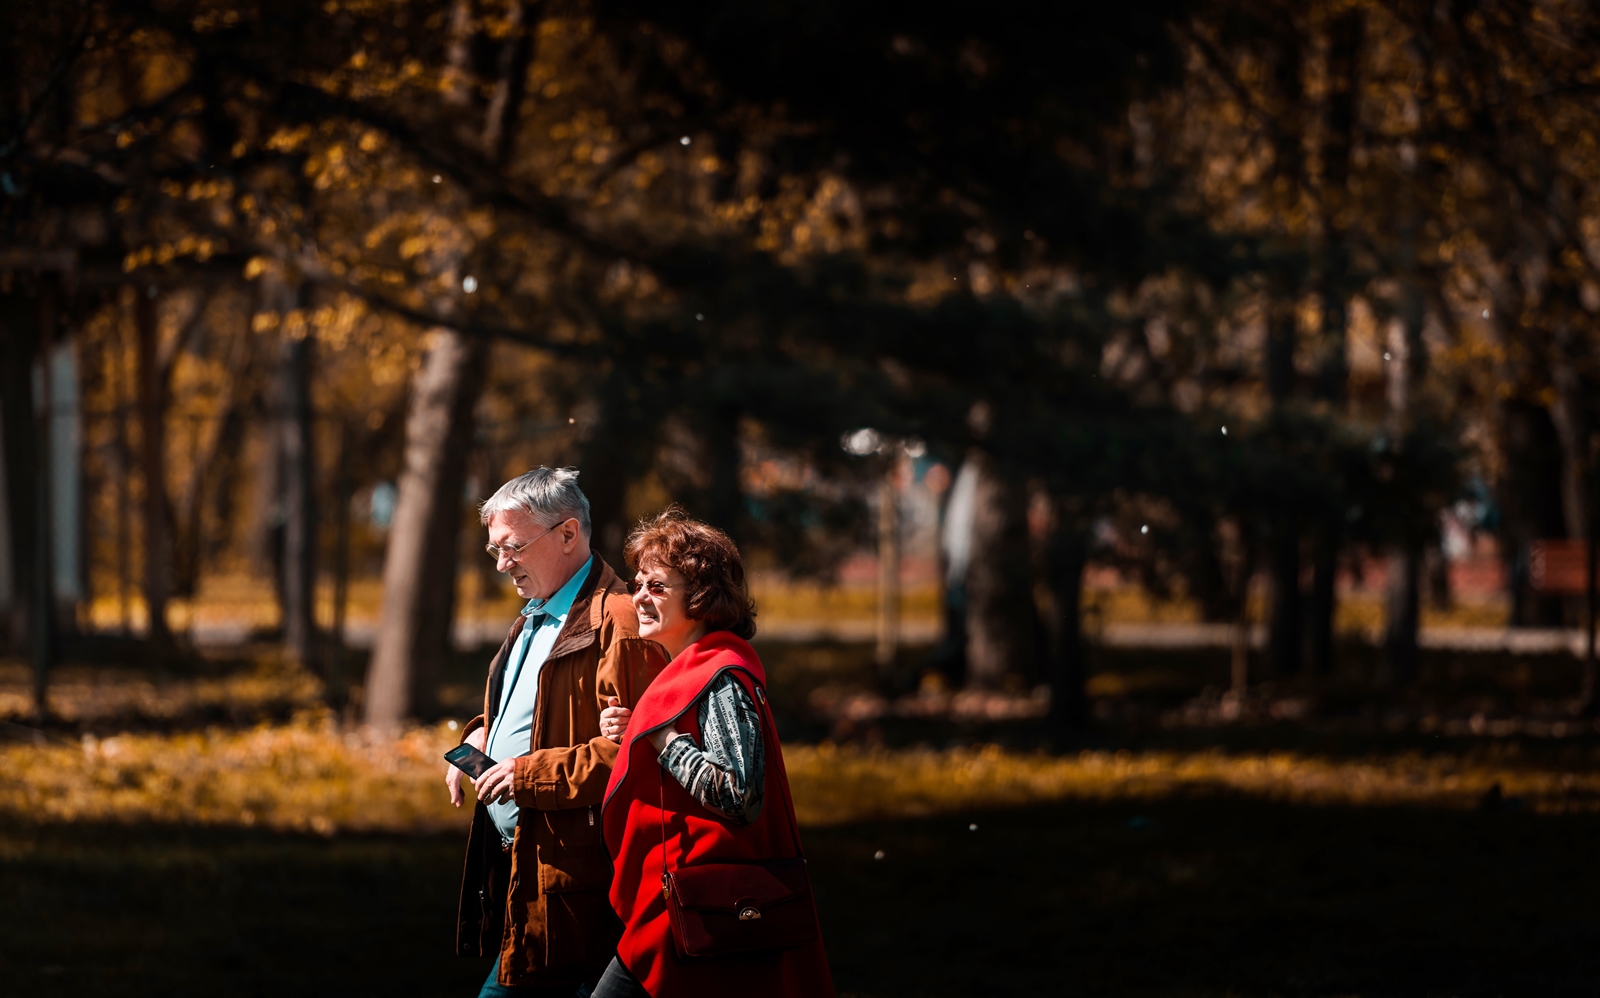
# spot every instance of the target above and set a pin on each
(707, 558)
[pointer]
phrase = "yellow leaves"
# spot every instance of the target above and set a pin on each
(212, 20)
(370, 140)
(391, 365)
(289, 139)
(480, 223)
(833, 785)
(310, 775)
(255, 267)
(207, 190)
(336, 324)
(295, 326)
(201, 248)
(413, 247)
(305, 776)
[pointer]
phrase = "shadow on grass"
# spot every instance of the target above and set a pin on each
(1210, 896)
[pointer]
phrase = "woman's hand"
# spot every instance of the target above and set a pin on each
(614, 720)
(661, 736)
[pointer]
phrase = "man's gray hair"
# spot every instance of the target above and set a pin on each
(549, 495)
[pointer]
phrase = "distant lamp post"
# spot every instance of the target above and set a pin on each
(896, 453)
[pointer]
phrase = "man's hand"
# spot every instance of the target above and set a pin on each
(494, 786)
(614, 720)
(452, 775)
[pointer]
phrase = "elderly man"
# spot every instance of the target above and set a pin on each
(537, 871)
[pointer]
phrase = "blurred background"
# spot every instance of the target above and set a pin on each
(1164, 438)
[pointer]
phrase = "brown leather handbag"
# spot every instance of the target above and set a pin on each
(717, 909)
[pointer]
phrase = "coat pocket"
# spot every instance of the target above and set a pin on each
(581, 930)
(572, 853)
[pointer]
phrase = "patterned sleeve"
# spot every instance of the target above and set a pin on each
(727, 775)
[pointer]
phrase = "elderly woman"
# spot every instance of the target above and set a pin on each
(710, 882)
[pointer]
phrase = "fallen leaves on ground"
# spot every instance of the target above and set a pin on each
(310, 775)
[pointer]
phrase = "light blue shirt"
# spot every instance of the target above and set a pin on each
(512, 733)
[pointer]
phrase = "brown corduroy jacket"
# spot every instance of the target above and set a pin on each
(543, 906)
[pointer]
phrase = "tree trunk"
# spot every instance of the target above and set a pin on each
(1283, 566)
(1569, 415)
(999, 589)
(67, 520)
(1401, 604)
(8, 589)
(344, 490)
(1344, 42)
(723, 500)
(1285, 610)
(1589, 694)
(1066, 556)
(605, 482)
(1244, 576)
(120, 378)
(419, 570)
(1405, 553)
(20, 346)
(44, 631)
(1529, 495)
(152, 454)
(955, 555)
(889, 569)
(1320, 608)
(511, 79)
(297, 470)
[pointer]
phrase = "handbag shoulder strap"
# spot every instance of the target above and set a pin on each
(769, 731)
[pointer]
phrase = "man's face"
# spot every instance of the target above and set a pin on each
(534, 568)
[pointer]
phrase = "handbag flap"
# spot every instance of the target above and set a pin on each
(725, 886)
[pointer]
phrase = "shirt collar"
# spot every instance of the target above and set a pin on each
(560, 602)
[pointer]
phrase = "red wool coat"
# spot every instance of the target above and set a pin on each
(633, 816)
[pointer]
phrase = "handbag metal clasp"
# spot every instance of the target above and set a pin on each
(749, 914)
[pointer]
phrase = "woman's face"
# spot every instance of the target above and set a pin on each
(658, 598)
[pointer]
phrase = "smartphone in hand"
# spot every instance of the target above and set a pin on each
(469, 760)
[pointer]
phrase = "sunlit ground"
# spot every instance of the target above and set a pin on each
(1209, 895)
(309, 776)
(243, 603)
(212, 828)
